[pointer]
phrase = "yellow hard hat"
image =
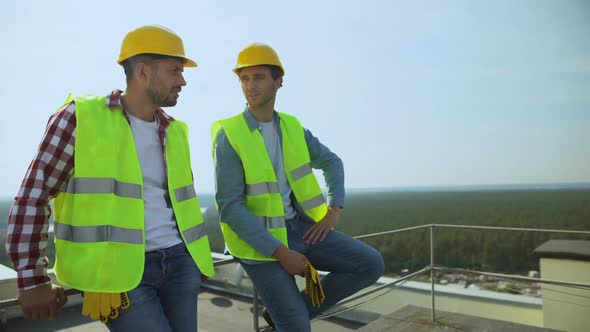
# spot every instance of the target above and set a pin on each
(154, 39)
(257, 54)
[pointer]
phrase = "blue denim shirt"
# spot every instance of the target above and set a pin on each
(230, 187)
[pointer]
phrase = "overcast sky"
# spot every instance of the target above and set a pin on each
(408, 93)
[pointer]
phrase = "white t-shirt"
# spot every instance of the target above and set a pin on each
(269, 131)
(160, 224)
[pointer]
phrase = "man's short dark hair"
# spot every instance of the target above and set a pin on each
(147, 58)
(275, 71)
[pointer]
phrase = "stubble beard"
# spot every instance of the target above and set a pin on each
(160, 100)
(261, 102)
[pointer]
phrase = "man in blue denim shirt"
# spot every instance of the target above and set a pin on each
(353, 265)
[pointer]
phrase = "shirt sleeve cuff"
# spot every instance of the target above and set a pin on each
(270, 247)
(29, 279)
(336, 202)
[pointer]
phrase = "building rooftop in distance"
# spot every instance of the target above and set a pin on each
(565, 249)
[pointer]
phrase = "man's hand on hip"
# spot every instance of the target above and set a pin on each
(43, 302)
(320, 230)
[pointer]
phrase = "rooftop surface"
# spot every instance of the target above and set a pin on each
(217, 312)
(414, 319)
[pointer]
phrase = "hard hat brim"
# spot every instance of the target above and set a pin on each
(190, 63)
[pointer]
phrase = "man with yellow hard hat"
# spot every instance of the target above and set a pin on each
(274, 217)
(127, 223)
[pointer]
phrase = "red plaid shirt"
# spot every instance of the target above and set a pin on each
(47, 176)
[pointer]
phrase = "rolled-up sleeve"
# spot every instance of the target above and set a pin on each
(229, 195)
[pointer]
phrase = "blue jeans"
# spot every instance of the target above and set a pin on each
(166, 298)
(353, 265)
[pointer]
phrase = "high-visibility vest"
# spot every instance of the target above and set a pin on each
(99, 218)
(262, 195)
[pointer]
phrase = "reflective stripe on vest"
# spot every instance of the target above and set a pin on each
(262, 188)
(194, 233)
(184, 193)
(272, 222)
(103, 186)
(300, 172)
(102, 233)
(313, 202)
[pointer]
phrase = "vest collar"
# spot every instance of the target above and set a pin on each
(251, 121)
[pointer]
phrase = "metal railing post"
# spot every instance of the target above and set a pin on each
(255, 311)
(432, 270)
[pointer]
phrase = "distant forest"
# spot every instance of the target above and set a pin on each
(497, 251)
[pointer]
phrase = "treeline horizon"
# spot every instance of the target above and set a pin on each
(487, 250)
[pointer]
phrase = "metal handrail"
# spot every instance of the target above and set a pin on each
(431, 268)
(399, 230)
(364, 236)
(389, 284)
(542, 230)
(513, 277)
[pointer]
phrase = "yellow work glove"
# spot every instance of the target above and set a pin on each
(104, 306)
(318, 288)
(309, 284)
(313, 285)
